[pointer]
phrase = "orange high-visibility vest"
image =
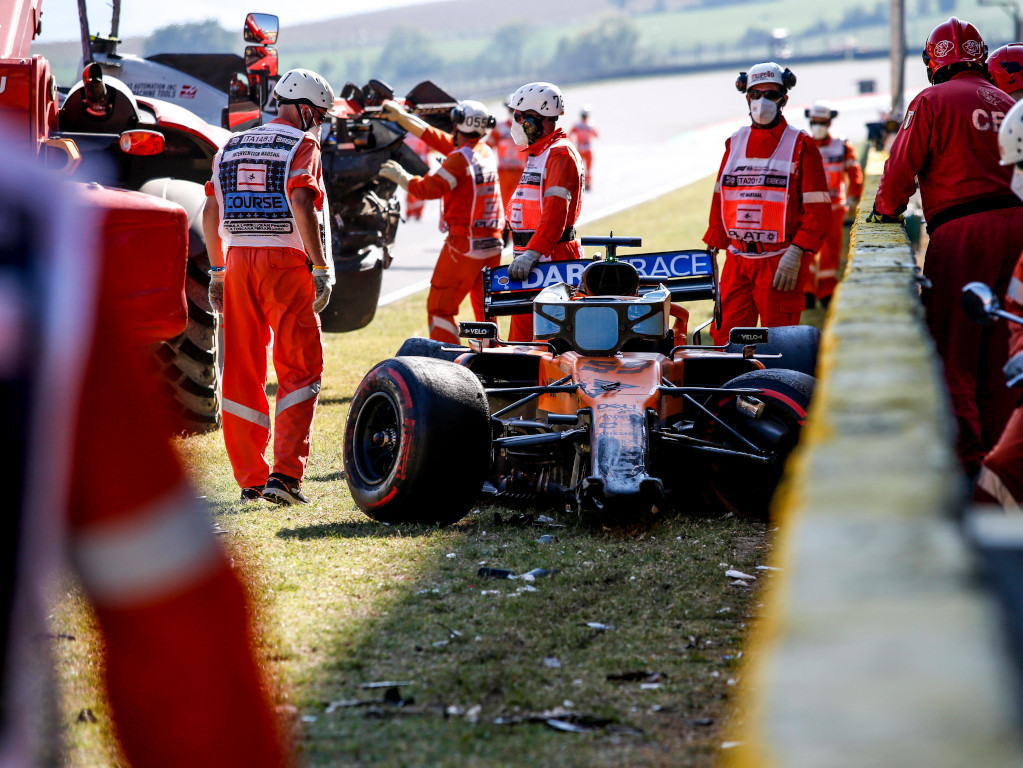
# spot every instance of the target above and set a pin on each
(486, 218)
(582, 134)
(833, 154)
(509, 154)
(526, 206)
(754, 196)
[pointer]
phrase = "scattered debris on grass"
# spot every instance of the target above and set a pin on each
(392, 697)
(571, 722)
(731, 573)
(503, 573)
(637, 676)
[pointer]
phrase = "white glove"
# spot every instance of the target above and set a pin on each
(523, 264)
(321, 284)
(392, 110)
(392, 171)
(1013, 370)
(217, 291)
(787, 274)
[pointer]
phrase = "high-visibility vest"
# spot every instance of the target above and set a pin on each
(755, 195)
(526, 206)
(582, 133)
(833, 154)
(486, 217)
(509, 154)
(250, 177)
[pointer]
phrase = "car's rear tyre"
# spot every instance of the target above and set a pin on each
(743, 486)
(188, 362)
(417, 441)
(418, 346)
(797, 345)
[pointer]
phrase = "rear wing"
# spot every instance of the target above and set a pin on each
(690, 275)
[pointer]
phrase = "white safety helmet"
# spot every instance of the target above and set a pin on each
(768, 72)
(472, 117)
(1010, 135)
(543, 98)
(303, 86)
(821, 110)
(585, 111)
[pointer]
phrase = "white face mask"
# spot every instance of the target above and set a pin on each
(1017, 182)
(518, 134)
(818, 130)
(763, 111)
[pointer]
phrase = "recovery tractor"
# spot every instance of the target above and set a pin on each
(236, 92)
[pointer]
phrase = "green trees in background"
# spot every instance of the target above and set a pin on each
(408, 55)
(608, 47)
(194, 37)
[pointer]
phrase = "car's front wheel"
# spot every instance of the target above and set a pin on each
(417, 441)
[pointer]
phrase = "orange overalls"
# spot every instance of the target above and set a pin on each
(510, 160)
(545, 208)
(268, 288)
(839, 162)
(95, 477)
(771, 192)
(583, 134)
(470, 197)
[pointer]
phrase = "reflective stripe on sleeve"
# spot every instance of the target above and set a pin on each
(817, 197)
(559, 192)
(298, 396)
(1015, 290)
(244, 412)
(992, 483)
(851, 162)
(446, 175)
(158, 551)
(437, 321)
(298, 172)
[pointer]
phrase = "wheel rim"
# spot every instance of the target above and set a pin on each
(788, 426)
(377, 438)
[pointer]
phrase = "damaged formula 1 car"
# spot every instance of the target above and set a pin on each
(609, 410)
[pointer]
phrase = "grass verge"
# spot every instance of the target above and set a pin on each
(636, 640)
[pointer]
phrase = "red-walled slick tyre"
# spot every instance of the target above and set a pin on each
(417, 441)
(744, 487)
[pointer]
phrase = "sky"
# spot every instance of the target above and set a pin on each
(140, 17)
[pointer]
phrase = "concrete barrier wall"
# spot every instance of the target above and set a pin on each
(875, 646)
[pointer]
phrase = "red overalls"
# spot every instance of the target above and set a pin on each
(949, 141)
(771, 192)
(545, 208)
(467, 185)
(268, 288)
(839, 162)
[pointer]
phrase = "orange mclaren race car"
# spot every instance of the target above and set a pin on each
(609, 410)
